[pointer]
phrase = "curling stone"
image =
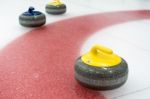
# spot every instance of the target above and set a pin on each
(32, 18)
(101, 69)
(55, 8)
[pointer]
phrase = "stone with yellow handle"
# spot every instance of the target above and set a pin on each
(101, 69)
(56, 7)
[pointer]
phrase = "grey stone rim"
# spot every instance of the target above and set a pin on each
(32, 21)
(101, 84)
(55, 10)
(101, 78)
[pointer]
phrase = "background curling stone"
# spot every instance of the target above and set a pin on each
(101, 69)
(56, 7)
(32, 18)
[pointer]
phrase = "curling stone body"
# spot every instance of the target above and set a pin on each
(101, 69)
(32, 18)
(55, 8)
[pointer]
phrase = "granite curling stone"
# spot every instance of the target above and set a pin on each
(32, 18)
(55, 8)
(101, 69)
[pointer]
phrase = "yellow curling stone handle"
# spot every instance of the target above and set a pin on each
(100, 56)
(55, 3)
